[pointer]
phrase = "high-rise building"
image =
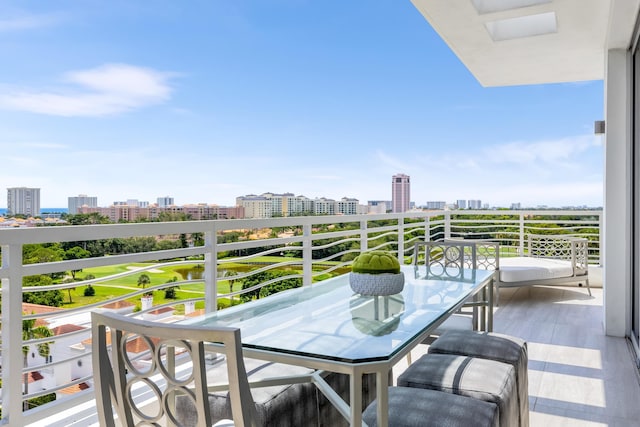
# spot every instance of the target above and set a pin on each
(475, 204)
(75, 203)
(379, 206)
(23, 200)
(436, 205)
(268, 205)
(400, 192)
(462, 204)
(165, 201)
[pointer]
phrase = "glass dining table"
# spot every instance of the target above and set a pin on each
(327, 327)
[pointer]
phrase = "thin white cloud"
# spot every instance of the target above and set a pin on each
(45, 145)
(107, 90)
(29, 22)
(392, 162)
(547, 152)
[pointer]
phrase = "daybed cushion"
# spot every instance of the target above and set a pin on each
(521, 269)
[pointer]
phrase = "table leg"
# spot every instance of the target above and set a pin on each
(490, 308)
(382, 395)
(355, 397)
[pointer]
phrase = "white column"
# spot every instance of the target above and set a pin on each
(617, 198)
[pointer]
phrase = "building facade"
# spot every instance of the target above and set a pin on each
(270, 205)
(23, 201)
(165, 201)
(436, 205)
(379, 206)
(400, 193)
(124, 213)
(475, 204)
(75, 203)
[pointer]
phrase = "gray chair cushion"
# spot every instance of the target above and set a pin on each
(494, 346)
(423, 408)
(480, 379)
(283, 406)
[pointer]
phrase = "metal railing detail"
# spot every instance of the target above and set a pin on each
(306, 249)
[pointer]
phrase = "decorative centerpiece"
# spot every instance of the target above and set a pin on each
(376, 273)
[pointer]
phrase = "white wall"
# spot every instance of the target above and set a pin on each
(617, 184)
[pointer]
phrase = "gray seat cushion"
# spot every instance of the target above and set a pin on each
(480, 379)
(494, 346)
(423, 408)
(284, 405)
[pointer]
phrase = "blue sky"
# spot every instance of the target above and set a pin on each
(205, 101)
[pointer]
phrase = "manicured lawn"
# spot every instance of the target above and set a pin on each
(124, 285)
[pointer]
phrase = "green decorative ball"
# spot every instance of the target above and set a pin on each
(376, 262)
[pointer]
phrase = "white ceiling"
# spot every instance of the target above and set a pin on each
(536, 41)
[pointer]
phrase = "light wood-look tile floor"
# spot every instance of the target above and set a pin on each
(578, 376)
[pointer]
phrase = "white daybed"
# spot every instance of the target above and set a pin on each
(549, 260)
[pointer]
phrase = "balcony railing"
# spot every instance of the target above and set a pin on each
(306, 249)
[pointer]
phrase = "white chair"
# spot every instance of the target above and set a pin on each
(447, 260)
(141, 387)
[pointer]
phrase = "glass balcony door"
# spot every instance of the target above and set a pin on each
(635, 283)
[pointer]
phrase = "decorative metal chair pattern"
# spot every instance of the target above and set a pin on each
(445, 260)
(136, 375)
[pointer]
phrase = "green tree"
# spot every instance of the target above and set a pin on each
(42, 253)
(86, 219)
(53, 298)
(229, 275)
(69, 280)
(144, 280)
(139, 244)
(31, 331)
(76, 252)
(170, 292)
(279, 285)
(89, 291)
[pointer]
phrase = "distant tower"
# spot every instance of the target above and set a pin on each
(165, 201)
(400, 192)
(75, 203)
(23, 200)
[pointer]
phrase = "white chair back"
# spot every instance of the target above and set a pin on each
(137, 375)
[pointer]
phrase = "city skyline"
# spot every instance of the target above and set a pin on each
(220, 99)
(74, 201)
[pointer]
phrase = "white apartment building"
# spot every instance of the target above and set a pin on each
(436, 205)
(462, 204)
(324, 206)
(255, 206)
(379, 206)
(268, 205)
(75, 203)
(475, 204)
(165, 201)
(23, 201)
(347, 206)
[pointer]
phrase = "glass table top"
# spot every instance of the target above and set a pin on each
(327, 320)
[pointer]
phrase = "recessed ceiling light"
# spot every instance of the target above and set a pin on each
(491, 6)
(523, 26)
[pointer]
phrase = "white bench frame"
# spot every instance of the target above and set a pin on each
(559, 247)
